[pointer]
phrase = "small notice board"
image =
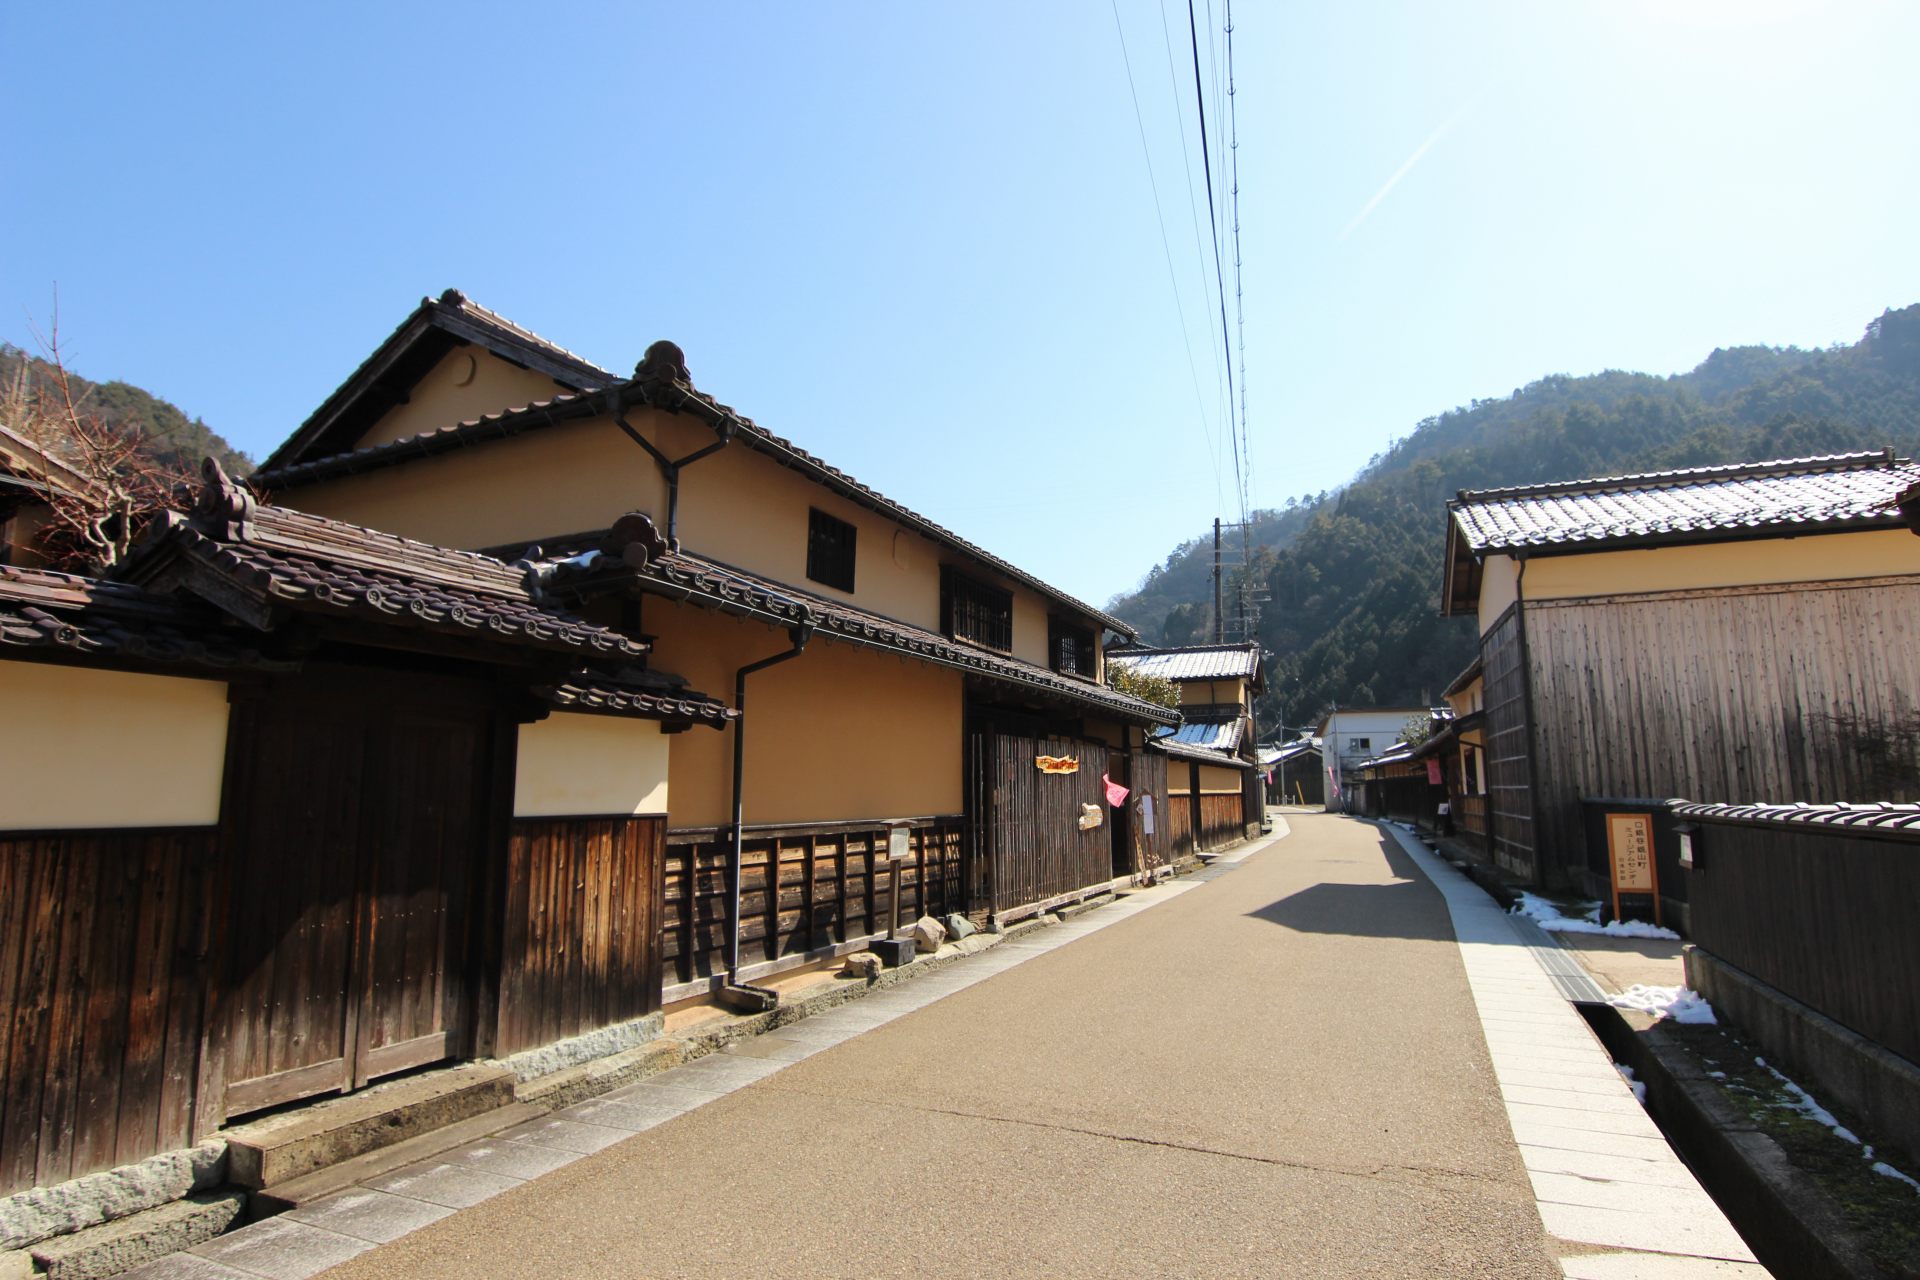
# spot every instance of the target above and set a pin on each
(1630, 858)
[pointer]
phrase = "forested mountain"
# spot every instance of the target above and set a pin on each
(169, 436)
(1354, 576)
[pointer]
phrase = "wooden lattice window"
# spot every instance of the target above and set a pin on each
(1071, 647)
(974, 611)
(830, 543)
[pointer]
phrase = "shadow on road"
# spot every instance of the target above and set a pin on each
(1406, 907)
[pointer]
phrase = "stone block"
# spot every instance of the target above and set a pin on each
(45, 1212)
(893, 952)
(960, 927)
(114, 1247)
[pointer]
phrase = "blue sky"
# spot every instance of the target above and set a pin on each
(920, 240)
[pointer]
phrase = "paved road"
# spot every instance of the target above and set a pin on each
(1277, 1073)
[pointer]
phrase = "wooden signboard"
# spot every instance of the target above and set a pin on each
(1630, 856)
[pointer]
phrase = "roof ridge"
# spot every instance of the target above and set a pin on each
(459, 301)
(1686, 475)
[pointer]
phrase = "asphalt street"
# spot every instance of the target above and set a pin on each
(1277, 1073)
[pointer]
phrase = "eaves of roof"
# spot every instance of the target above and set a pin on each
(1200, 755)
(679, 575)
(678, 399)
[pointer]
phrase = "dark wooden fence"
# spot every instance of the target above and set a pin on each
(101, 934)
(1180, 823)
(1817, 908)
(582, 914)
(1027, 824)
(1748, 695)
(1470, 817)
(1409, 798)
(1503, 657)
(1253, 801)
(803, 888)
(1221, 823)
(1149, 770)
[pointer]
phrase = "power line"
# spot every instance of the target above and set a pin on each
(1239, 297)
(1213, 218)
(1172, 278)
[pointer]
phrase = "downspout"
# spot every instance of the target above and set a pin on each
(800, 634)
(669, 467)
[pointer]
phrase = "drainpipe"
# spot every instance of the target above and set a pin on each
(669, 467)
(800, 634)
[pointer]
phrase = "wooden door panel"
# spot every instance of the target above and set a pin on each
(293, 912)
(422, 827)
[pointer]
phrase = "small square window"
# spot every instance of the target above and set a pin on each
(1072, 648)
(830, 550)
(974, 611)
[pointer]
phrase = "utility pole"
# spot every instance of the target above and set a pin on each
(1218, 621)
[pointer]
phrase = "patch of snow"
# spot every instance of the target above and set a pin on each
(1886, 1170)
(1805, 1103)
(1639, 1089)
(1548, 917)
(1678, 1003)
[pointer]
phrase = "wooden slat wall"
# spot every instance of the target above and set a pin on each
(582, 939)
(1220, 820)
(1748, 696)
(101, 983)
(831, 884)
(1824, 915)
(1180, 822)
(1150, 778)
(1038, 848)
(1470, 815)
(1253, 801)
(1509, 773)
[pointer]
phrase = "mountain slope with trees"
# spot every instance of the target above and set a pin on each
(1354, 576)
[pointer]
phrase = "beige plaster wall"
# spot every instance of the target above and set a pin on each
(86, 748)
(1822, 558)
(840, 733)
(564, 479)
(468, 382)
(1199, 693)
(1499, 576)
(1215, 780)
(736, 506)
(1468, 700)
(573, 764)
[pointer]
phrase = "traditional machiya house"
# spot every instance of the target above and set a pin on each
(1215, 792)
(892, 673)
(396, 758)
(1467, 771)
(1720, 634)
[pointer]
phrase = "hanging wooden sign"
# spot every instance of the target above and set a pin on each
(1630, 856)
(1057, 764)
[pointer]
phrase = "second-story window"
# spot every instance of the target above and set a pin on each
(1071, 647)
(974, 611)
(830, 549)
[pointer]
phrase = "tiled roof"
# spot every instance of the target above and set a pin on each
(1793, 495)
(75, 618)
(1857, 817)
(710, 584)
(1217, 735)
(320, 585)
(1202, 755)
(1196, 662)
(286, 470)
(270, 557)
(592, 694)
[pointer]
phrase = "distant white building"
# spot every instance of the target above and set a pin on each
(1350, 735)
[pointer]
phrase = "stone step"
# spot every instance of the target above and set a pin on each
(280, 1148)
(121, 1245)
(309, 1187)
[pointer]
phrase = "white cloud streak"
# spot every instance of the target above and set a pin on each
(1419, 153)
